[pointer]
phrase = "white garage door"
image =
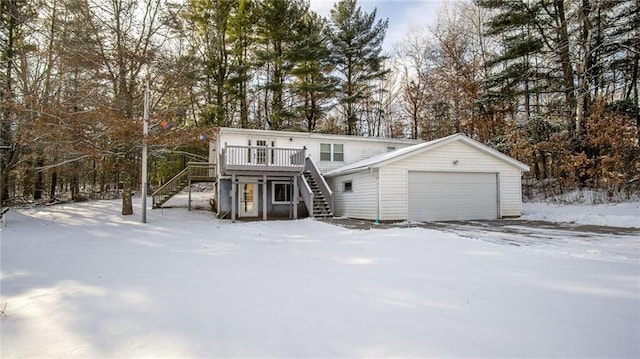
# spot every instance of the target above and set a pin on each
(452, 196)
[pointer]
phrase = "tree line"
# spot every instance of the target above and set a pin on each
(553, 83)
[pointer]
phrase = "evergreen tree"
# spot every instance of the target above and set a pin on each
(279, 31)
(514, 74)
(314, 83)
(241, 30)
(356, 48)
(211, 23)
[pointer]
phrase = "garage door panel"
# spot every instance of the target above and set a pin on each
(442, 196)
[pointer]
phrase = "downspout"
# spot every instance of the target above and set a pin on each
(376, 175)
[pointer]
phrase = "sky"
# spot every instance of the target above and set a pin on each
(402, 14)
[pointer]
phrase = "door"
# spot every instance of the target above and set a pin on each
(452, 196)
(258, 155)
(261, 152)
(248, 200)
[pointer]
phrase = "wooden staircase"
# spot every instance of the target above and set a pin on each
(321, 207)
(195, 172)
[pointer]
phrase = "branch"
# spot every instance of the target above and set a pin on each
(44, 168)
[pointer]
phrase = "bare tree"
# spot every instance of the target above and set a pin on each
(128, 36)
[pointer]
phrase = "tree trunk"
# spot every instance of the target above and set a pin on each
(75, 185)
(127, 203)
(54, 184)
(7, 9)
(565, 58)
(584, 67)
(38, 187)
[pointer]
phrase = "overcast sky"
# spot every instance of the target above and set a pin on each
(402, 14)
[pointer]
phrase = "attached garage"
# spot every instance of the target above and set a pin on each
(453, 178)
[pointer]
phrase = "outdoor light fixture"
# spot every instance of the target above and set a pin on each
(455, 162)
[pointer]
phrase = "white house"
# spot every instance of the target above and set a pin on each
(277, 174)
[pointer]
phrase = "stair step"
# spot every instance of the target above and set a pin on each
(320, 206)
(323, 215)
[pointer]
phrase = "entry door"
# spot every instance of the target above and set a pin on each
(257, 155)
(248, 200)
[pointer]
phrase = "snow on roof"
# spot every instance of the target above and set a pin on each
(378, 161)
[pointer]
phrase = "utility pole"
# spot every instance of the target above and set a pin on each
(145, 132)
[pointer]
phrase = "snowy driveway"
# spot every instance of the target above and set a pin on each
(578, 240)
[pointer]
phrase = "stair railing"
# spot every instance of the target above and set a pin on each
(195, 171)
(311, 167)
(163, 193)
(307, 194)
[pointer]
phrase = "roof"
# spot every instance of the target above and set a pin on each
(333, 137)
(386, 158)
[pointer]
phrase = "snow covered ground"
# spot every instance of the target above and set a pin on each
(616, 215)
(80, 280)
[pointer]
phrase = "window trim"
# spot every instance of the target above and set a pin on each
(332, 152)
(344, 186)
(324, 152)
(273, 192)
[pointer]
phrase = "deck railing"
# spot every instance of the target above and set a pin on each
(201, 171)
(257, 158)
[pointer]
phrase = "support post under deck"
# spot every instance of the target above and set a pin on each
(295, 197)
(234, 187)
(189, 206)
(264, 197)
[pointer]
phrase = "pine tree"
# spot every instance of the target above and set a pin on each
(314, 83)
(278, 31)
(514, 74)
(211, 20)
(241, 29)
(356, 48)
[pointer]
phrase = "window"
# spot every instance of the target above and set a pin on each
(338, 152)
(325, 152)
(332, 152)
(347, 186)
(281, 192)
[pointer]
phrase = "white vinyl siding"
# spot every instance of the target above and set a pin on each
(394, 178)
(510, 194)
(361, 201)
(393, 194)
